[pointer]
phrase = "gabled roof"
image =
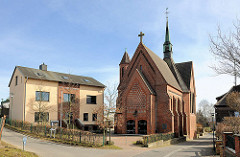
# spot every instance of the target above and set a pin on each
(55, 76)
(176, 73)
(163, 68)
(222, 99)
(185, 69)
(125, 59)
(146, 82)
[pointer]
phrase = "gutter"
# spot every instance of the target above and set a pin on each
(24, 107)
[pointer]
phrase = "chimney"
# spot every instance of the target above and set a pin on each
(43, 67)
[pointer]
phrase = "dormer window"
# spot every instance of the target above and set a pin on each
(65, 77)
(86, 80)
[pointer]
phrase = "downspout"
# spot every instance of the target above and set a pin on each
(24, 109)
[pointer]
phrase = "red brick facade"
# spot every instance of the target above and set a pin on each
(75, 106)
(149, 101)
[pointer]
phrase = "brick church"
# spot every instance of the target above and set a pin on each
(156, 95)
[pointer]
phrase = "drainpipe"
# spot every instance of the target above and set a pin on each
(24, 109)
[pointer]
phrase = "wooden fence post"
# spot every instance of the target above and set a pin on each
(2, 122)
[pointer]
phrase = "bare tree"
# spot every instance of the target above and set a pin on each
(233, 101)
(226, 49)
(206, 109)
(71, 104)
(40, 103)
(105, 113)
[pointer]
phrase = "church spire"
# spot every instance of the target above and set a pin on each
(126, 58)
(167, 46)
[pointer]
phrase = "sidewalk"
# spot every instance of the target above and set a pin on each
(126, 141)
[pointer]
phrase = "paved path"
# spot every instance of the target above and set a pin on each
(195, 148)
(44, 148)
(126, 142)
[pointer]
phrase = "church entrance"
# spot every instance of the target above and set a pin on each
(142, 127)
(131, 127)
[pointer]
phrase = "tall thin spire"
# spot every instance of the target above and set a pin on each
(167, 36)
(167, 46)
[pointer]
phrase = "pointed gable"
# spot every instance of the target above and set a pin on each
(140, 77)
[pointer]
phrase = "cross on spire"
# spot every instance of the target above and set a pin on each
(141, 36)
(167, 13)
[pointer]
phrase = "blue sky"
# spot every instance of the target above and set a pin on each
(89, 37)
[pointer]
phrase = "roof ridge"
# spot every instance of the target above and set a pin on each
(56, 76)
(55, 72)
(184, 62)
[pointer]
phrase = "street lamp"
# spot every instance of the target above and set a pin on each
(213, 114)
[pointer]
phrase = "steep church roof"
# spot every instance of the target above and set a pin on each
(163, 68)
(185, 69)
(125, 59)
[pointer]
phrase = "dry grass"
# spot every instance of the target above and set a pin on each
(7, 150)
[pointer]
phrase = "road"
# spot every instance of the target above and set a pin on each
(200, 147)
(44, 148)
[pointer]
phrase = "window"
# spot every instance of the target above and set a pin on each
(91, 99)
(42, 96)
(16, 80)
(140, 67)
(68, 97)
(86, 80)
(85, 117)
(94, 116)
(41, 116)
(122, 71)
(65, 77)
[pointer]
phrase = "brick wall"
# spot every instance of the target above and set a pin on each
(69, 89)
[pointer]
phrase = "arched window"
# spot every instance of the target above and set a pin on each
(122, 71)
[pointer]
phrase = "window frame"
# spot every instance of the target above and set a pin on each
(85, 120)
(91, 101)
(48, 115)
(71, 97)
(94, 117)
(40, 97)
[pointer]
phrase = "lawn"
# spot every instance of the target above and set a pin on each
(7, 150)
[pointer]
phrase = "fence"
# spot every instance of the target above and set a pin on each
(65, 135)
(157, 137)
